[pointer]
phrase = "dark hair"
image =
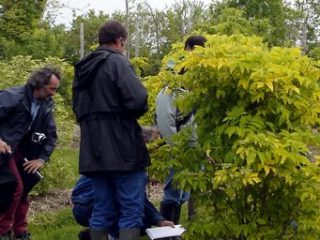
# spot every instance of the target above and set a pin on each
(196, 40)
(41, 77)
(111, 31)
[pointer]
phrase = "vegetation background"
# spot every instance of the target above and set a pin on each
(255, 87)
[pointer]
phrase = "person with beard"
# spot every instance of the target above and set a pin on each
(27, 139)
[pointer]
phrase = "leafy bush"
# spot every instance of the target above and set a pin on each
(255, 112)
(60, 173)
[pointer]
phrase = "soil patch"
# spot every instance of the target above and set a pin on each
(59, 199)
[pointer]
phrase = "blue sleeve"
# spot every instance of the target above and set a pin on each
(82, 192)
(152, 215)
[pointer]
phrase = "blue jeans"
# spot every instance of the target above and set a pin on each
(118, 189)
(172, 194)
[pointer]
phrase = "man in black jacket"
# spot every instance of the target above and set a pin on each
(27, 131)
(108, 98)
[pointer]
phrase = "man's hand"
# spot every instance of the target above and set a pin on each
(4, 147)
(164, 223)
(33, 165)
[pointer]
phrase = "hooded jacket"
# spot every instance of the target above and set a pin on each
(108, 98)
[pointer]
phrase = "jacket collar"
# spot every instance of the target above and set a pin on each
(28, 98)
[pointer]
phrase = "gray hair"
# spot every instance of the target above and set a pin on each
(41, 77)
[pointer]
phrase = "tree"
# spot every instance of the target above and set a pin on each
(19, 17)
(91, 22)
(308, 23)
(232, 21)
(182, 19)
(273, 11)
(24, 31)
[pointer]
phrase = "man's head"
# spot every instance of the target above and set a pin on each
(196, 40)
(44, 82)
(113, 34)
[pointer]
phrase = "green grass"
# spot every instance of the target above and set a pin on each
(58, 225)
(54, 226)
(61, 225)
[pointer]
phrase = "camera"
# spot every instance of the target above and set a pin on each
(38, 137)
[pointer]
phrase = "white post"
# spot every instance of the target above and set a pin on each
(81, 40)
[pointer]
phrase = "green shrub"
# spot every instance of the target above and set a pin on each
(255, 112)
(60, 173)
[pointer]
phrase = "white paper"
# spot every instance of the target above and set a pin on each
(167, 231)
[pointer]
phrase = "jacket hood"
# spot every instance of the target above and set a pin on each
(85, 69)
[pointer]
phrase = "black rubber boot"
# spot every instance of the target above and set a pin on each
(129, 234)
(7, 236)
(84, 234)
(170, 211)
(98, 234)
(23, 236)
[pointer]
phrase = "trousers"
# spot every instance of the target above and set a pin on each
(172, 194)
(118, 189)
(15, 218)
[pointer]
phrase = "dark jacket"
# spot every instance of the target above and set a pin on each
(108, 98)
(17, 128)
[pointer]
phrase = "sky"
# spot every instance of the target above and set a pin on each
(108, 6)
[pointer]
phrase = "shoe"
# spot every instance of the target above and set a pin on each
(7, 236)
(23, 236)
(84, 234)
(129, 234)
(170, 211)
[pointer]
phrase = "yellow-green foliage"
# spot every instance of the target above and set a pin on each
(139, 63)
(256, 109)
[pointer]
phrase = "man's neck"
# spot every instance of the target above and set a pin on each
(112, 46)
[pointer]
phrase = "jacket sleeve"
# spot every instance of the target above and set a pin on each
(166, 115)
(51, 133)
(152, 215)
(7, 104)
(133, 94)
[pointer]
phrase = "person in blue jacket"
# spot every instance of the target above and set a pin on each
(83, 201)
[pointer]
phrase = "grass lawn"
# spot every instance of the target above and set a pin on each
(61, 226)
(55, 226)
